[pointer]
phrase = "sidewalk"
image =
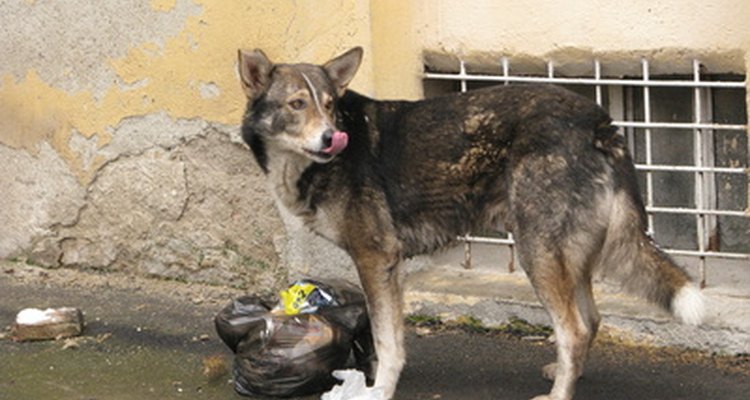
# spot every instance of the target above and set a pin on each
(153, 339)
(493, 296)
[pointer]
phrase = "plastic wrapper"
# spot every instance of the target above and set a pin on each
(292, 347)
(352, 387)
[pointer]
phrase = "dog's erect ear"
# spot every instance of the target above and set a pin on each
(341, 69)
(255, 69)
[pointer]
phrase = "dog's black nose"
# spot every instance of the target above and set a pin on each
(327, 138)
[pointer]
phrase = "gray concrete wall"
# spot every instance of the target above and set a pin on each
(177, 199)
(119, 134)
(118, 118)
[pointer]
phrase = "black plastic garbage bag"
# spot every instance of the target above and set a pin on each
(277, 354)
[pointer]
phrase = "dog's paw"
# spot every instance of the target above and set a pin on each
(542, 397)
(549, 371)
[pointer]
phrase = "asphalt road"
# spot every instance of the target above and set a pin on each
(148, 339)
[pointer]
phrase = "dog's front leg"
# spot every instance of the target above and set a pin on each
(379, 273)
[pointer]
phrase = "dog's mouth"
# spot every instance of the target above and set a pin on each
(338, 142)
(319, 155)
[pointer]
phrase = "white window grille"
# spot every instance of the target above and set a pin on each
(691, 202)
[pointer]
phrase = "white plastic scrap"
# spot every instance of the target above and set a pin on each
(35, 316)
(353, 387)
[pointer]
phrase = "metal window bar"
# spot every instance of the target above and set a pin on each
(705, 210)
(647, 135)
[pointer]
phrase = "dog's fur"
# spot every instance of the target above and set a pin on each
(541, 160)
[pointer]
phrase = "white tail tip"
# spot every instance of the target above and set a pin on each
(688, 305)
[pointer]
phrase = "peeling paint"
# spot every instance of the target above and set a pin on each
(28, 111)
(67, 43)
(100, 72)
(86, 148)
(208, 90)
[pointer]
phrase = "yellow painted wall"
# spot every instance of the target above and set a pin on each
(188, 74)
(670, 32)
(79, 78)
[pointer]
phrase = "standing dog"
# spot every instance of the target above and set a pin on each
(386, 180)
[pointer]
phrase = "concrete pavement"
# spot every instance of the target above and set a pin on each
(148, 339)
(491, 294)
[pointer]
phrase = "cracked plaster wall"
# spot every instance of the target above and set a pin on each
(119, 132)
(118, 118)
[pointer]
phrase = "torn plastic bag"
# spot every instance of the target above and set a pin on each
(352, 387)
(277, 354)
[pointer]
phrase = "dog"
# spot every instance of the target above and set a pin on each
(387, 180)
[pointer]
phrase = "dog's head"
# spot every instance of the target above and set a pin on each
(292, 106)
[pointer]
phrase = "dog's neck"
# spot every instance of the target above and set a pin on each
(284, 171)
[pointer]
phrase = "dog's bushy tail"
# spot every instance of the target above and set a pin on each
(632, 258)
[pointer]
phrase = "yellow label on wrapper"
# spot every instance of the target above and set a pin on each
(295, 297)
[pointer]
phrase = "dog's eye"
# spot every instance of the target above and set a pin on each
(297, 104)
(328, 105)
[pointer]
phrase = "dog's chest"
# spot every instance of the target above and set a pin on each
(283, 177)
(325, 218)
(326, 221)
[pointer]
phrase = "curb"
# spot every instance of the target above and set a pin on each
(496, 297)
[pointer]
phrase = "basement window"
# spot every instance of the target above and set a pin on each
(687, 134)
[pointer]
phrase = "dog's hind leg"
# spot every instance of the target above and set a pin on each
(584, 299)
(560, 232)
(568, 300)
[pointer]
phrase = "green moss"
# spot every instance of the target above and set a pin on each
(423, 320)
(515, 327)
(519, 327)
(470, 324)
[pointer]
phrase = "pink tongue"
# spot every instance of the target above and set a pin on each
(338, 143)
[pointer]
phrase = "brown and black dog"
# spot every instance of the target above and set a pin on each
(387, 180)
